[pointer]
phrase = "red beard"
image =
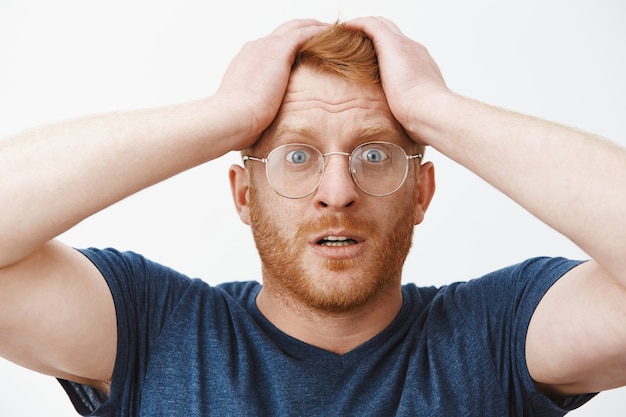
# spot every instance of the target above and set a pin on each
(336, 285)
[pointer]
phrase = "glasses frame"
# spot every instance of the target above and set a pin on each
(417, 156)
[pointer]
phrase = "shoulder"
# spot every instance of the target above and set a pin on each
(528, 280)
(484, 321)
(534, 274)
(135, 280)
(502, 300)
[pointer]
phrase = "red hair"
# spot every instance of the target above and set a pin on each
(341, 51)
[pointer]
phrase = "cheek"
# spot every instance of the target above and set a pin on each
(404, 209)
(270, 212)
(410, 193)
(399, 203)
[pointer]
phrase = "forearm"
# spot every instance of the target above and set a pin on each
(573, 181)
(54, 177)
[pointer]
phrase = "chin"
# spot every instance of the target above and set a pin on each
(339, 291)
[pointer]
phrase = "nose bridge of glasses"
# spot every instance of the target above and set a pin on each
(349, 155)
(336, 153)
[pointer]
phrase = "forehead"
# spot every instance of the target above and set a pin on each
(331, 113)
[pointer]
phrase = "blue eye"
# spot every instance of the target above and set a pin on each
(297, 156)
(374, 155)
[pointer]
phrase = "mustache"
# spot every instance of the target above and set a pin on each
(341, 221)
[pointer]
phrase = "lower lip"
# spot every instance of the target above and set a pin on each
(339, 252)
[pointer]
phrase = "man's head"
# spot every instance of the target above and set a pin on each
(337, 248)
(346, 53)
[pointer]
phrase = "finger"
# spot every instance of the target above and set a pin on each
(373, 25)
(390, 25)
(294, 34)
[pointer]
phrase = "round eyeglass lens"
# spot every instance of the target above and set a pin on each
(294, 170)
(379, 168)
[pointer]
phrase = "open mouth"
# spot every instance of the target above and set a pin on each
(336, 241)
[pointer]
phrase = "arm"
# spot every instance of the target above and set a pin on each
(54, 177)
(571, 180)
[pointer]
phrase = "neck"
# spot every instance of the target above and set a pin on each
(331, 331)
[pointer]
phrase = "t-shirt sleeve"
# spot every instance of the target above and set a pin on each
(498, 308)
(144, 294)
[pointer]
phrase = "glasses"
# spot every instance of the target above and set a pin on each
(295, 170)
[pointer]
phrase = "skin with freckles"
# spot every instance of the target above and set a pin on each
(299, 274)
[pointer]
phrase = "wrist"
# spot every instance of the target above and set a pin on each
(236, 126)
(429, 119)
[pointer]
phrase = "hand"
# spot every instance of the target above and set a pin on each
(409, 76)
(256, 80)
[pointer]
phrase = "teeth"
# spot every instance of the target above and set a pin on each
(336, 241)
(336, 238)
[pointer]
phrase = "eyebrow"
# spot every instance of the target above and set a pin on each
(288, 130)
(376, 131)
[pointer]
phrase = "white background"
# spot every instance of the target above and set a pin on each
(563, 60)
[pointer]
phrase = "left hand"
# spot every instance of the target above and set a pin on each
(409, 76)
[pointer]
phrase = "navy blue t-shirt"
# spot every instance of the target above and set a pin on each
(186, 349)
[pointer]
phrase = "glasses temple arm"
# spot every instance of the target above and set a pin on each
(252, 158)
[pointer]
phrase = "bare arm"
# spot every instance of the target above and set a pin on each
(60, 175)
(571, 180)
(51, 298)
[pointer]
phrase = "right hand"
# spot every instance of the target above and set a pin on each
(255, 82)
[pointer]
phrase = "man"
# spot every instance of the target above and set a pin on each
(332, 186)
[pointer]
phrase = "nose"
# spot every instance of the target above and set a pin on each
(337, 189)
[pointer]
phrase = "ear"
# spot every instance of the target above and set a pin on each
(425, 190)
(240, 187)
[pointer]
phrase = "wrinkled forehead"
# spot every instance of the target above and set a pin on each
(331, 113)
